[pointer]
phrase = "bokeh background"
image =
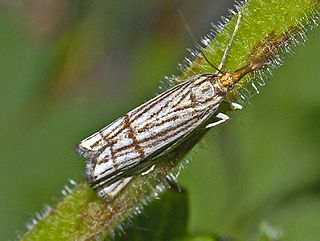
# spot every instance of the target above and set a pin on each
(67, 68)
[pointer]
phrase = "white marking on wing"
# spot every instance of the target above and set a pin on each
(127, 158)
(88, 142)
(113, 127)
(123, 141)
(109, 192)
(101, 168)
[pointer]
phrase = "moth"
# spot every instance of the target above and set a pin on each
(131, 144)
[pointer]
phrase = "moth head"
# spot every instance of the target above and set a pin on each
(225, 81)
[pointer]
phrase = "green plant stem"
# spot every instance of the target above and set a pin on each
(266, 30)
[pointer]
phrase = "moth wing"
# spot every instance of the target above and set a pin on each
(131, 144)
(109, 153)
(108, 192)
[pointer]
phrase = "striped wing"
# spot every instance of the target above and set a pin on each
(145, 132)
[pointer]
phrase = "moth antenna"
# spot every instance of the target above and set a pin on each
(226, 51)
(195, 42)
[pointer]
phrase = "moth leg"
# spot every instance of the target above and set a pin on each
(232, 105)
(173, 183)
(109, 192)
(222, 118)
(148, 170)
(235, 106)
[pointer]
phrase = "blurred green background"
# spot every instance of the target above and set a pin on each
(68, 68)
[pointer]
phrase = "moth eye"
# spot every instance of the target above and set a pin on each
(231, 85)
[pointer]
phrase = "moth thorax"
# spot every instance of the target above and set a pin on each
(202, 92)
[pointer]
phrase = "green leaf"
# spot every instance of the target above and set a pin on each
(197, 238)
(203, 238)
(269, 233)
(162, 220)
